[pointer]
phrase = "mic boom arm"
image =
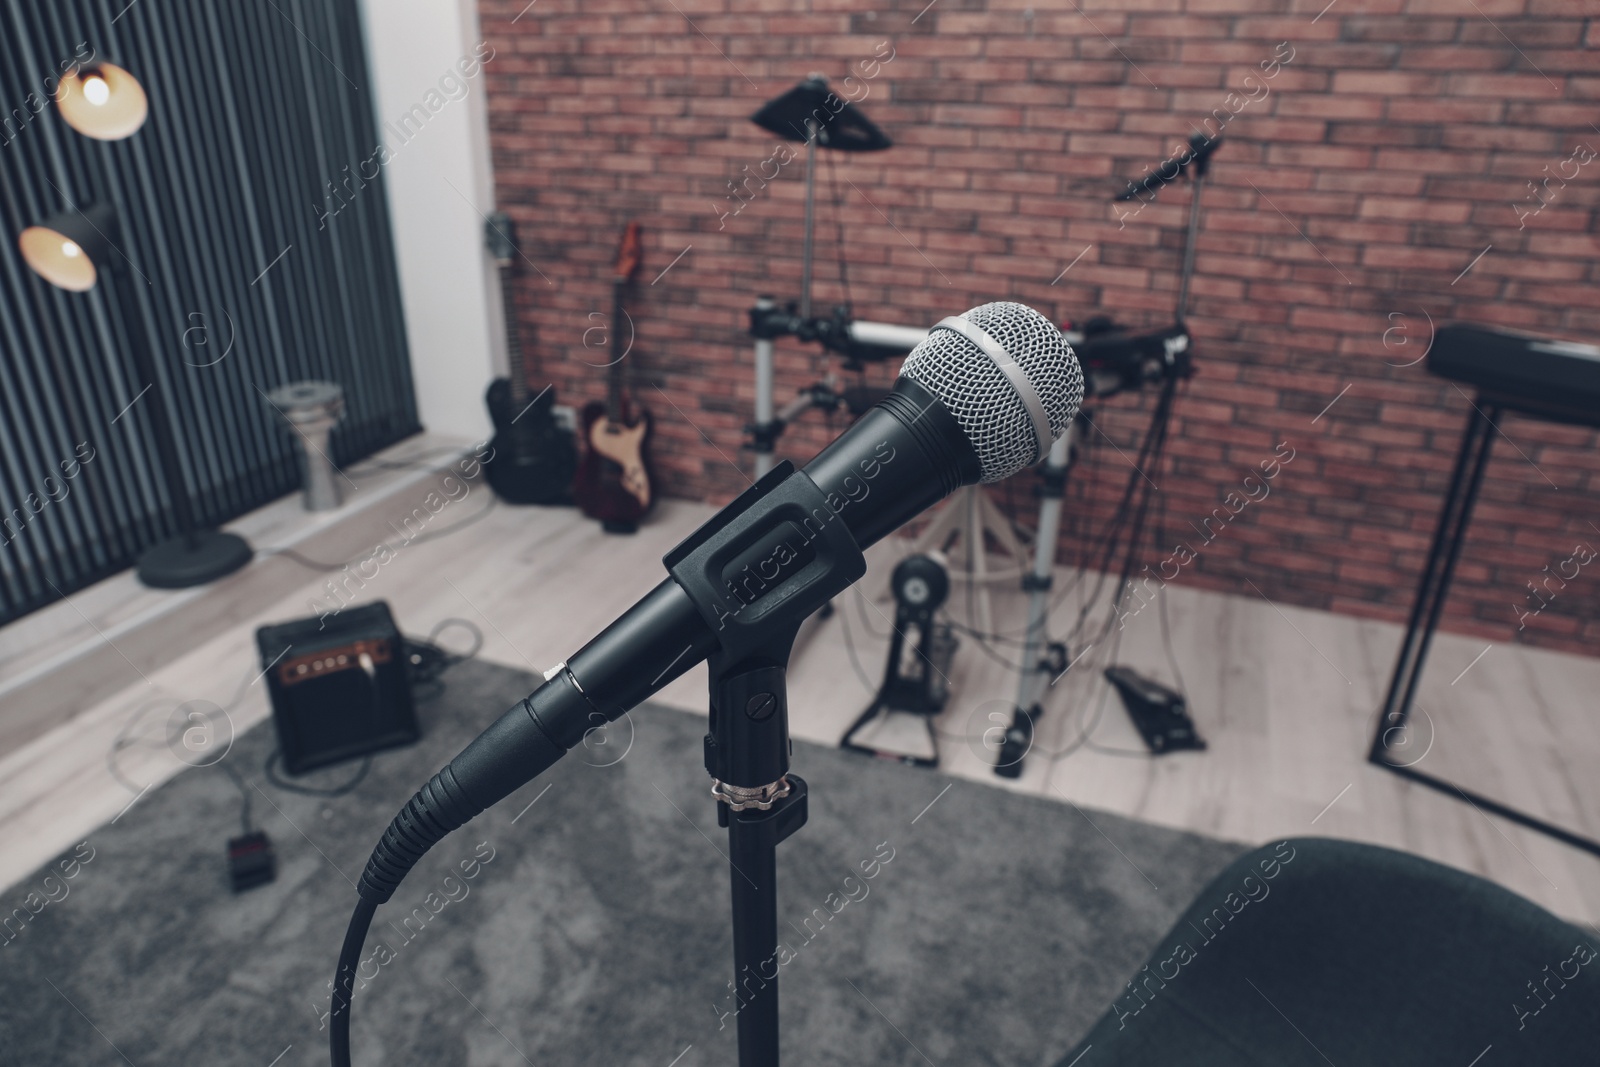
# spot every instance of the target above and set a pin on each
(1197, 155)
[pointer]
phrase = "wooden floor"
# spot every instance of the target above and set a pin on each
(1286, 698)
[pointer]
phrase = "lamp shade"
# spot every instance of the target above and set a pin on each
(103, 101)
(68, 250)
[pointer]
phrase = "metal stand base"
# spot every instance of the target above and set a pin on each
(184, 562)
(969, 519)
(1471, 460)
(1041, 660)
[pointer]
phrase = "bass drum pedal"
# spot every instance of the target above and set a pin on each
(916, 678)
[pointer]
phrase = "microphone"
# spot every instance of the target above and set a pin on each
(1198, 153)
(984, 395)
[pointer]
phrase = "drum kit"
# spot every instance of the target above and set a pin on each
(1114, 359)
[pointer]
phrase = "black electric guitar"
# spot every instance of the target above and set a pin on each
(614, 483)
(532, 459)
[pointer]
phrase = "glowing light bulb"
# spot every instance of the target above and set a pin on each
(95, 90)
(70, 249)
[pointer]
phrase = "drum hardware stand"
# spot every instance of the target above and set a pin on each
(1198, 156)
(811, 215)
(767, 323)
(800, 114)
(970, 519)
(1042, 659)
(921, 686)
(1112, 360)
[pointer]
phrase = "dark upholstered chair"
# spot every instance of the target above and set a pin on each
(1316, 952)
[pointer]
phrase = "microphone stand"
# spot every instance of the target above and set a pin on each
(1041, 657)
(812, 129)
(1198, 156)
(749, 730)
(759, 802)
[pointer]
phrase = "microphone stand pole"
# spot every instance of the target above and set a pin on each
(750, 730)
(812, 129)
(1200, 167)
(759, 802)
(1037, 665)
(1041, 659)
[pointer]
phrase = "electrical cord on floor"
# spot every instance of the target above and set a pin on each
(171, 738)
(1087, 729)
(246, 826)
(425, 661)
(421, 538)
(269, 770)
(982, 643)
(861, 609)
(421, 461)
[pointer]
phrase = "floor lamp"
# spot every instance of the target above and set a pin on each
(71, 250)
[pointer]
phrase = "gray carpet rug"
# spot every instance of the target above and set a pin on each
(591, 927)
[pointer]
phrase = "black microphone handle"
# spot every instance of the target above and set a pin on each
(904, 455)
(900, 458)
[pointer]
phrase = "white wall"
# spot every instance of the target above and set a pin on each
(440, 186)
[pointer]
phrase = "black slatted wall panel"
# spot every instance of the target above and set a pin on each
(224, 199)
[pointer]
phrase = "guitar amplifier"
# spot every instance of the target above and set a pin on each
(339, 686)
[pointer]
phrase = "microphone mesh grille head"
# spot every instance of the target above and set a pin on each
(982, 398)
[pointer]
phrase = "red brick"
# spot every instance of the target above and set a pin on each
(1333, 157)
(1370, 28)
(1529, 86)
(1414, 210)
(1438, 110)
(1387, 83)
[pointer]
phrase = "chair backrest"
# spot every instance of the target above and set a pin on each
(1314, 951)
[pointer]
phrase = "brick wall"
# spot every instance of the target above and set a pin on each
(1375, 178)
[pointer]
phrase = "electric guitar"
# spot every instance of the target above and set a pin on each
(531, 458)
(614, 483)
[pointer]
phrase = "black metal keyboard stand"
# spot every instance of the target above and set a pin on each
(1392, 730)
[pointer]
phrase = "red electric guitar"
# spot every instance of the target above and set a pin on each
(614, 483)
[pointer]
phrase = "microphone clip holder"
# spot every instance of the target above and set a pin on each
(770, 559)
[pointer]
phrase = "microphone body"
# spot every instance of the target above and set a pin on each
(967, 408)
(979, 399)
(899, 459)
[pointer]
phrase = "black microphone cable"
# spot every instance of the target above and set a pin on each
(518, 747)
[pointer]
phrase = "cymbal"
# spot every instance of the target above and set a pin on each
(840, 124)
